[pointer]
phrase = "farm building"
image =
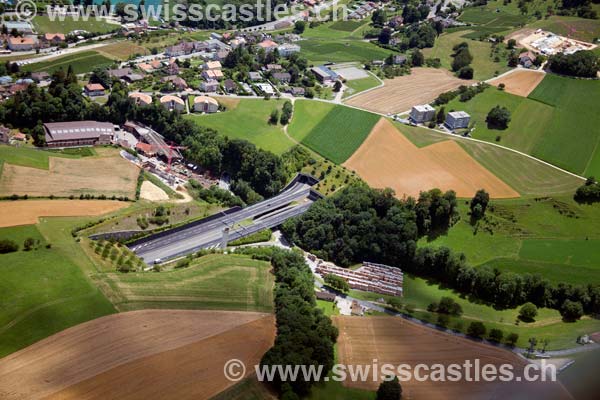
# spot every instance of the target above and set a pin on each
(145, 149)
(141, 99)
(370, 277)
(94, 89)
(324, 74)
(78, 133)
(206, 104)
(422, 113)
(457, 120)
(172, 103)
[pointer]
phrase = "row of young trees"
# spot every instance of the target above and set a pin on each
(305, 336)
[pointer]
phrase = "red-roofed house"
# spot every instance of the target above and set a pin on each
(145, 148)
(268, 45)
(21, 43)
(53, 38)
(94, 89)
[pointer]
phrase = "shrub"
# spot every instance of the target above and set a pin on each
(571, 310)
(476, 329)
(498, 118)
(8, 246)
(512, 338)
(496, 335)
(528, 312)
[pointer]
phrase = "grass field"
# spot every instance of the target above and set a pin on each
(574, 27)
(527, 176)
(36, 158)
(122, 50)
(248, 119)
(359, 85)
(45, 291)
(81, 62)
(337, 134)
(483, 64)
(44, 25)
(223, 282)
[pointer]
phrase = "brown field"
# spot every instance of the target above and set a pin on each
(166, 354)
(388, 159)
(396, 341)
(520, 82)
(26, 212)
(122, 50)
(107, 174)
(401, 93)
(149, 191)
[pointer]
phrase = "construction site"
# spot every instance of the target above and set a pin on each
(549, 43)
(370, 277)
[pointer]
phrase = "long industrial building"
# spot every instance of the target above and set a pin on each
(78, 133)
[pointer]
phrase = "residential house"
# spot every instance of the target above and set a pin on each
(283, 77)
(22, 43)
(172, 103)
(457, 120)
(396, 21)
(53, 39)
(265, 88)
(146, 149)
(5, 80)
(94, 89)
(237, 42)
(141, 99)
(172, 68)
(287, 49)
(178, 82)
(422, 113)
(326, 296)
(221, 55)
(297, 91)
(40, 76)
(268, 45)
(130, 78)
(255, 76)
(230, 86)
(399, 59)
(145, 67)
(20, 26)
(526, 59)
(209, 86)
(274, 67)
(180, 49)
(216, 74)
(212, 65)
(119, 73)
(20, 136)
(205, 104)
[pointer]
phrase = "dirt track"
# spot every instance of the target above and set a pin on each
(520, 82)
(396, 341)
(388, 159)
(138, 355)
(403, 92)
(26, 212)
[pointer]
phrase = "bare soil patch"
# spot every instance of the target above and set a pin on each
(388, 159)
(520, 82)
(108, 175)
(26, 212)
(149, 191)
(147, 354)
(401, 93)
(397, 341)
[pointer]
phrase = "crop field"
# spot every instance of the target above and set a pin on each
(107, 173)
(403, 92)
(227, 282)
(388, 159)
(483, 63)
(68, 24)
(341, 131)
(555, 237)
(396, 341)
(44, 290)
(122, 50)
(307, 114)
(248, 119)
(140, 354)
(82, 62)
(520, 82)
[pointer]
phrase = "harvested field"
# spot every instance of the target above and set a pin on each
(26, 212)
(397, 341)
(149, 191)
(520, 82)
(388, 159)
(108, 174)
(138, 355)
(401, 93)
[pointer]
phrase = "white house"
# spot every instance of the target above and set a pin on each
(172, 103)
(422, 113)
(205, 104)
(457, 120)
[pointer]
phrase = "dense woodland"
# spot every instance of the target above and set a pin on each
(362, 224)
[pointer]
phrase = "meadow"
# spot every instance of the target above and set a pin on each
(577, 28)
(359, 85)
(338, 134)
(43, 24)
(122, 50)
(36, 158)
(248, 119)
(45, 290)
(81, 63)
(216, 282)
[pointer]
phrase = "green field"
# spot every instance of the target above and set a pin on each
(483, 64)
(34, 158)
(249, 120)
(527, 176)
(338, 133)
(555, 237)
(574, 27)
(81, 62)
(358, 85)
(222, 282)
(45, 291)
(44, 25)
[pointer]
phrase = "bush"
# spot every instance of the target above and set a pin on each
(465, 73)
(496, 335)
(571, 310)
(498, 118)
(336, 282)
(476, 329)
(583, 64)
(528, 312)
(8, 246)
(512, 339)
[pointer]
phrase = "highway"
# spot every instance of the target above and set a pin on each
(292, 201)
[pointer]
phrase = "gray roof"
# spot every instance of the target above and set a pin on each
(77, 130)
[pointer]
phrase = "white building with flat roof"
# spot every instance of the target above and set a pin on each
(457, 120)
(422, 113)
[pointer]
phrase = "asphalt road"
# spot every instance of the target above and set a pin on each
(267, 214)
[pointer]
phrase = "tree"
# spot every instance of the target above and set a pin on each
(384, 36)
(512, 338)
(589, 192)
(336, 282)
(299, 27)
(466, 73)
(583, 63)
(28, 244)
(448, 305)
(389, 389)
(274, 117)
(496, 335)
(337, 86)
(498, 118)
(476, 329)
(461, 57)
(481, 199)
(417, 58)
(571, 310)
(528, 312)
(441, 115)
(8, 246)
(511, 44)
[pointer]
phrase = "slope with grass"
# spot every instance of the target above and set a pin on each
(248, 119)
(360, 85)
(45, 290)
(81, 62)
(338, 133)
(216, 282)
(37, 158)
(43, 24)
